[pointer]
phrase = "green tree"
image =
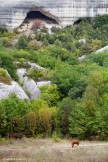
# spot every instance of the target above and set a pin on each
(50, 94)
(22, 42)
(100, 20)
(12, 109)
(31, 123)
(65, 106)
(6, 62)
(45, 120)
(65, 76)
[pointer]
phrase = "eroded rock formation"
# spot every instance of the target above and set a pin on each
(29, 85)
(65, 12)
(5, 90)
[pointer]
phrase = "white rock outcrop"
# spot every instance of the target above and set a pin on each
(5, 90)
(43, 83)
(28, 85)
(104, 49)
(33, 65)
(66, 12)
(31, 87)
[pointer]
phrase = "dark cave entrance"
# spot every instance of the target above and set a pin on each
(33, 15)
(78, 22)
(86, 19)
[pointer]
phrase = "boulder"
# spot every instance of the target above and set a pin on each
(5, 90)
(82, 41)
(33, 65)
(43, 83)
(22, 74)
(31, 89)
(29, 85)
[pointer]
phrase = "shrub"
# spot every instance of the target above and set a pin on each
(45, 42)
(51, 94)
(4, 41)
(34, 45)
(4, 76)
(51, 39)
(37, 24)
(44, 30)
(55, 137)
(100, 20)
(37, 74)
(2, 30)
(6, 62)
(55, 29)
(22, 42)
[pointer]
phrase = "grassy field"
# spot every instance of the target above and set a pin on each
(45, 150)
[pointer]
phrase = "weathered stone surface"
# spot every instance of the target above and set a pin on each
(104, 49)
(82, 41)
(33, 65)
(5, 90)
(82, 57)
(29, 85)
(66, 12)
(22, 74)
(43, 83)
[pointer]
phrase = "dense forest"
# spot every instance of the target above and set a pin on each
(76, 103)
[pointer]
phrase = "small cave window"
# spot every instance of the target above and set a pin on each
(86, 19)
(78, 22)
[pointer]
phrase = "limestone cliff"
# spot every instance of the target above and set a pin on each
(66, 12)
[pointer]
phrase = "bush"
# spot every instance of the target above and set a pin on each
(45, 42)
(55, 137)
(6, 62)
(37, 24)
(2, 30)
(37, 74)
(55, 29)
(100, 20)
(4, 77)
(51, 94)
(4, 41)
(33, 45)
(51, 39)
(22, 42)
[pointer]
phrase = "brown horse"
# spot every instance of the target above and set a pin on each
(76, 142)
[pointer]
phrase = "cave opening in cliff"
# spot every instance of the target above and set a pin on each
(38, 19)
(78, 22)
(86, 19)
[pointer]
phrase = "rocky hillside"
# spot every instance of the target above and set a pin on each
(28, 88)
(62, 77)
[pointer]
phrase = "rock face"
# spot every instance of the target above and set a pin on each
(5, 90)
(104, 49)
(29, 85)
(66, 12)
